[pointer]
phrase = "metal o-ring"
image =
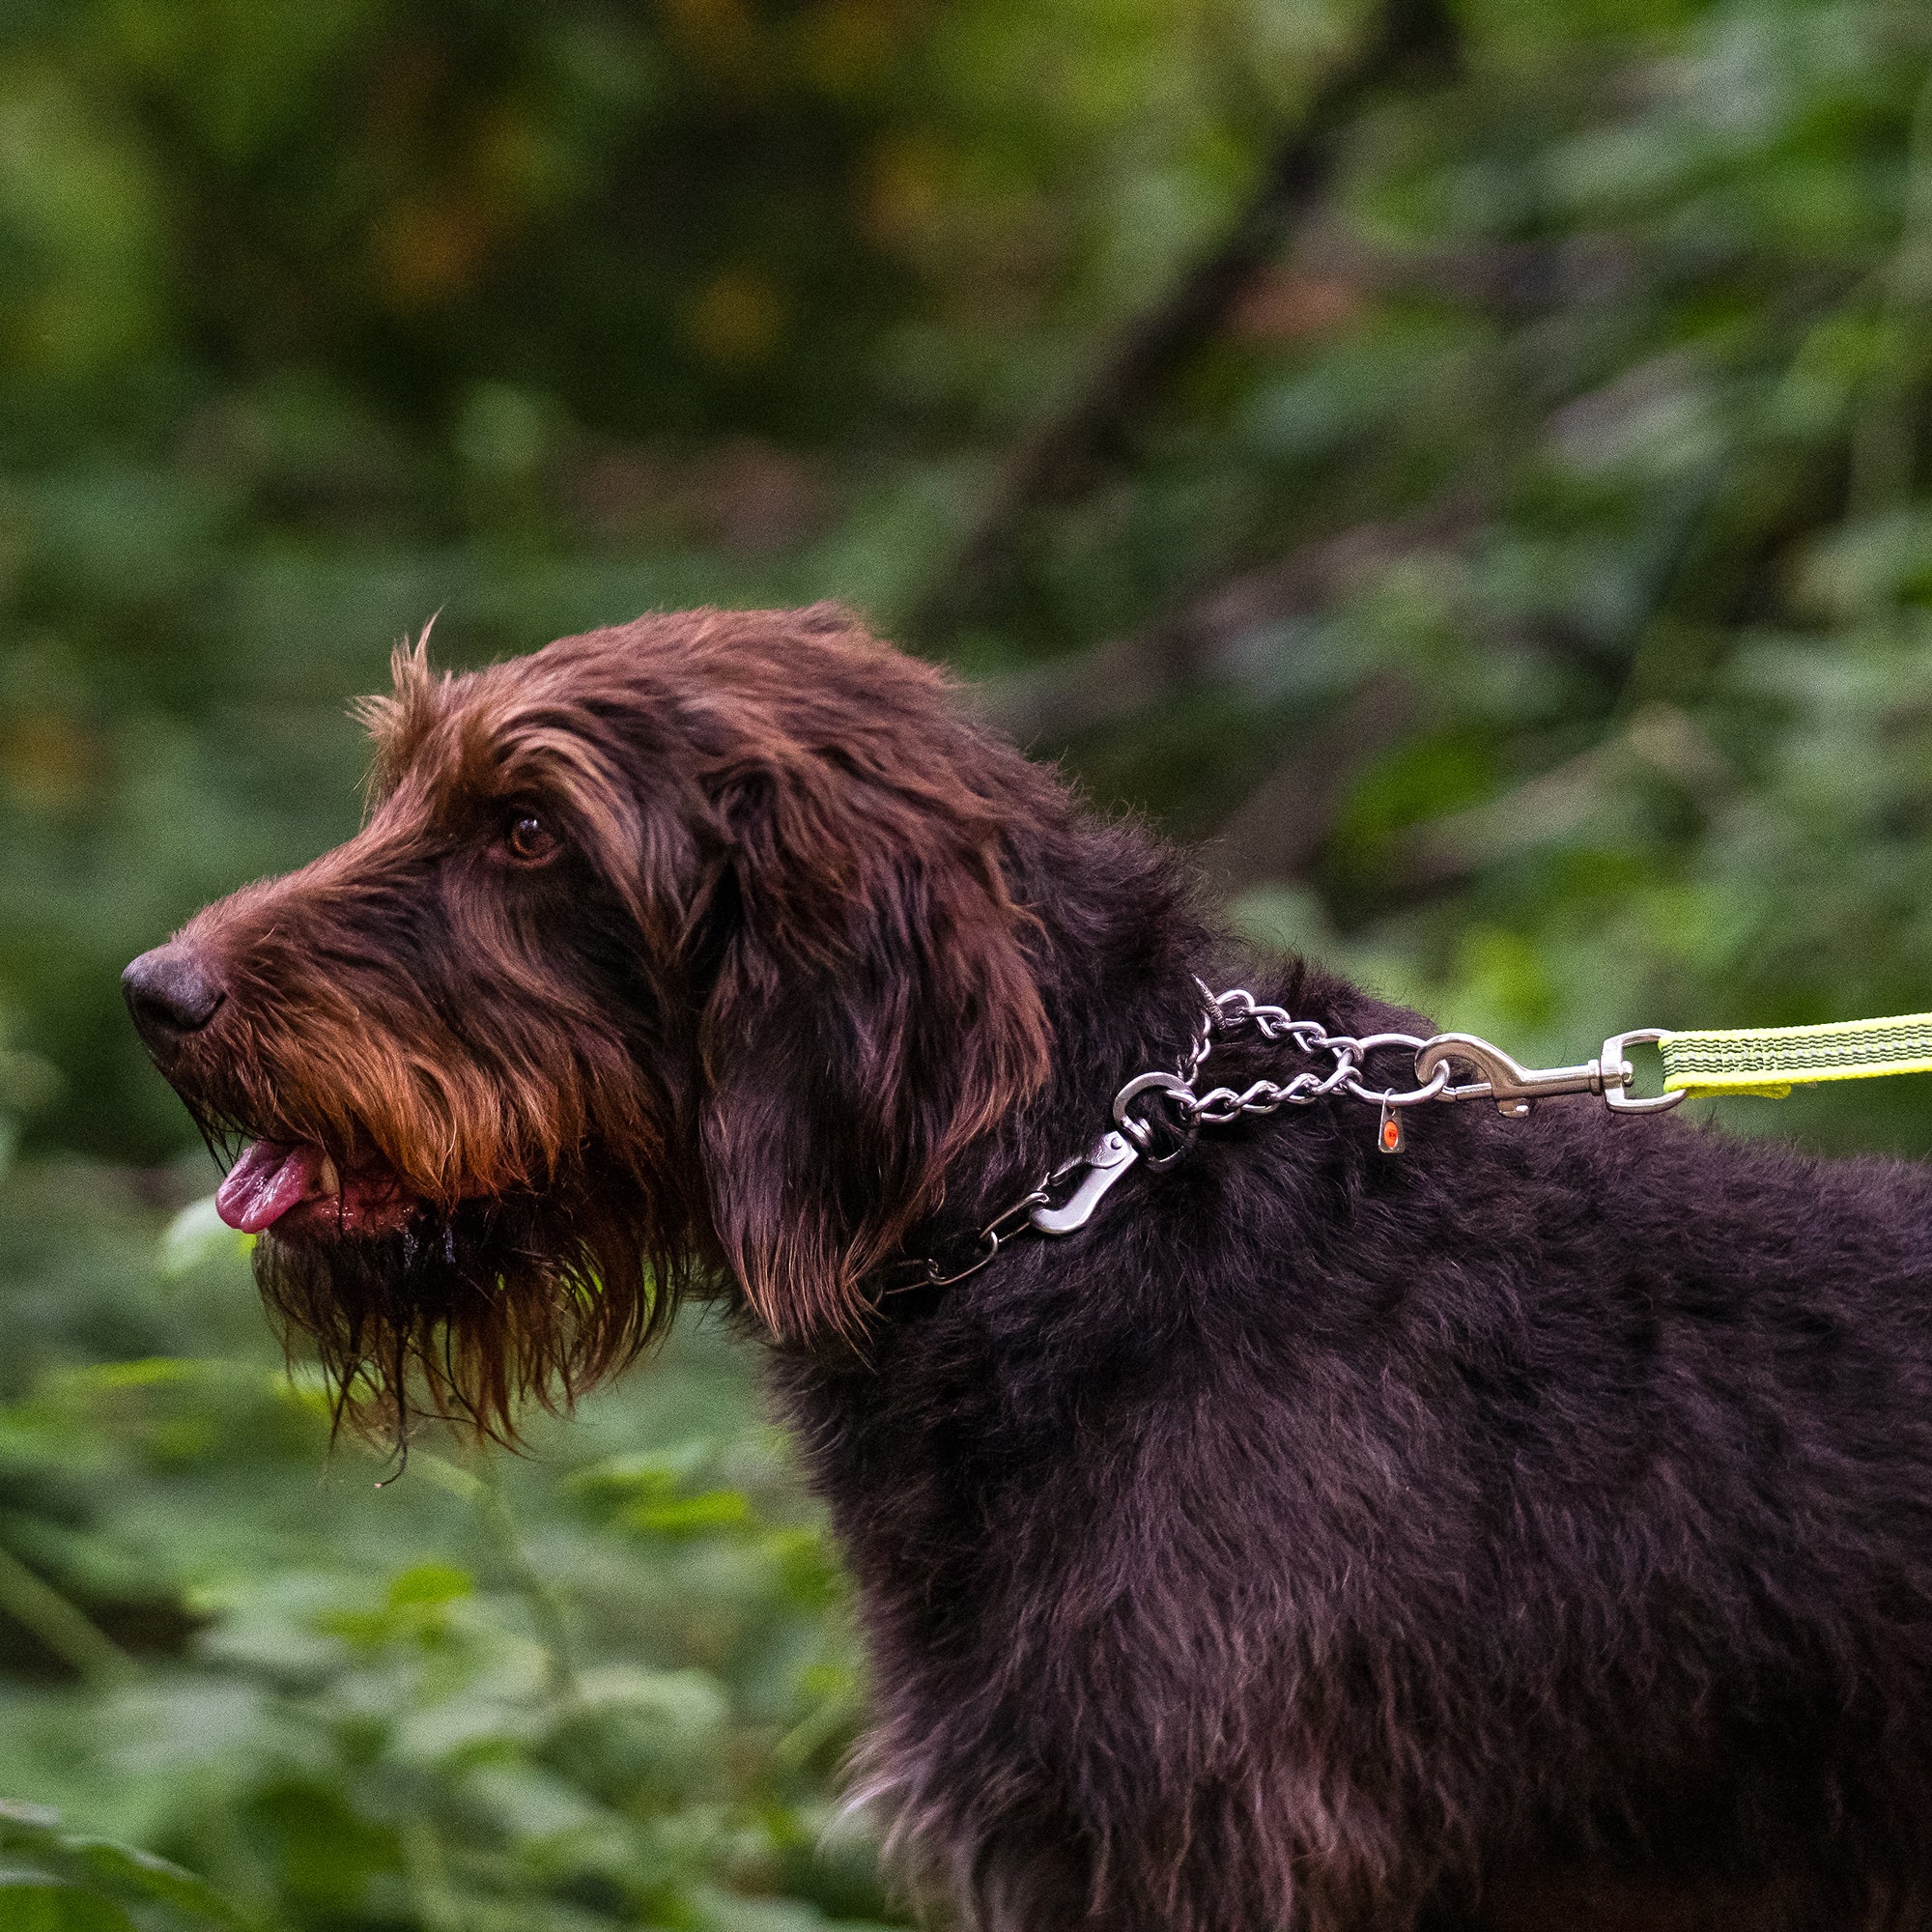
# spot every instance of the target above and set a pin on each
(1170, 1084)
(1139, 1130)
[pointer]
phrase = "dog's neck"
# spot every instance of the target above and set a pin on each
(1119, 949)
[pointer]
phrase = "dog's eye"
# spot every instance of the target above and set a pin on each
(528, 839)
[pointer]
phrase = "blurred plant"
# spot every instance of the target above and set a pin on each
(595, 1687)
(26, 1082)
(61, 1881)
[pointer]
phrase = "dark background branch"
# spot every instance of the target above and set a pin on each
(1051, 459)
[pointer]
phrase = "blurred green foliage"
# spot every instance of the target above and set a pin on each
(1517, 578)
(603, 1685)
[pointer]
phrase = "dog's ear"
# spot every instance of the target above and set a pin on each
(873, 1009)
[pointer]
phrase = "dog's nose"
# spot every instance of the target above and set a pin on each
(169, 994)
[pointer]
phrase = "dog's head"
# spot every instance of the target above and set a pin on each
(676, 948)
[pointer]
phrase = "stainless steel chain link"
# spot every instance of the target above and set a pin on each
(1228, 1015)
(1140, 1134)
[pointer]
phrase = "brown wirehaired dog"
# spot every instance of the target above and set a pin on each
(1534, 1529)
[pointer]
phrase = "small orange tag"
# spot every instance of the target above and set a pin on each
(1388, 1136)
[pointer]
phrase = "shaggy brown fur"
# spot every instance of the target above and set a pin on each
(1535, 1530)
(775, 886)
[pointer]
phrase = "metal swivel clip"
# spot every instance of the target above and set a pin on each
(1515, 1090)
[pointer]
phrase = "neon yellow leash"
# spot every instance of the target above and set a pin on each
(1771, 1061)
(1767, 1060)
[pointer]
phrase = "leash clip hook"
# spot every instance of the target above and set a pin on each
(1105, 1161)
(1517, 1088)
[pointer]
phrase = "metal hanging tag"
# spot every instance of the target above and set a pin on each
(1388, 1131)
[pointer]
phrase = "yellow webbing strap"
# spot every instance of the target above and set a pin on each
(1772, 1060)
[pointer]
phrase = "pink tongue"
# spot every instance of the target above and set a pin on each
(266, 1182)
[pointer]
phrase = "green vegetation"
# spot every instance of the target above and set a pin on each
(1478, 488)
(604, 1685)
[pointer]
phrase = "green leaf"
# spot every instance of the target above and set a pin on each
(198, 1234)
(702, 1514)
(30, 1902)
(141, 1874)
(430, 1585)
(93, 1872)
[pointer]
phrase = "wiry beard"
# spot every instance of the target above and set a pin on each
(463, 1315)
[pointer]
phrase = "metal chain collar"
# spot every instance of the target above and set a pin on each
(1140, 1134)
